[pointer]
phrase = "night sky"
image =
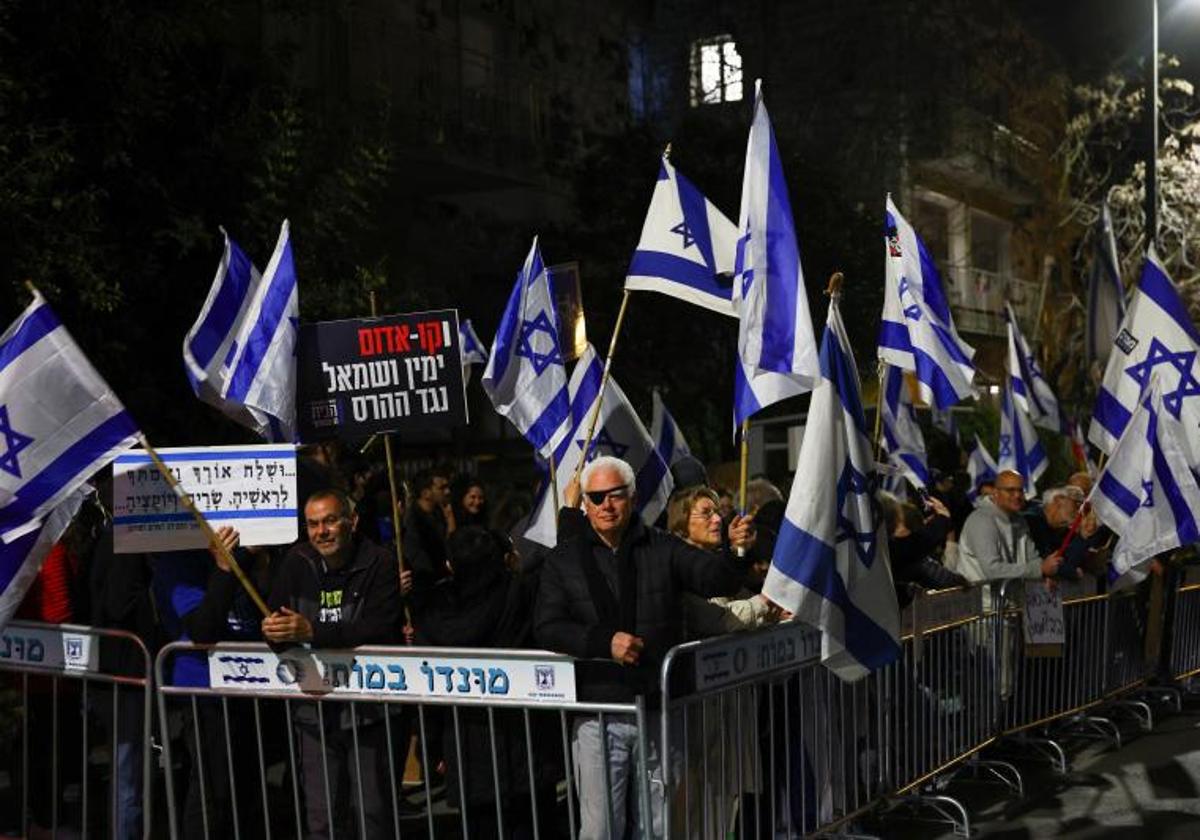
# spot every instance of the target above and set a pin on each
(1096, 36)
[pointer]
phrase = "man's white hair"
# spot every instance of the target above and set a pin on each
(622, 468)
(1055, 493)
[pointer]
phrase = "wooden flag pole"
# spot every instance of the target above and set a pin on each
(209, 534)
(612, 346)
(745, 465)
(391, 472)
(554, 487)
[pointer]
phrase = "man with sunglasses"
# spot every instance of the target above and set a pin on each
(995, 542)
(612, 594)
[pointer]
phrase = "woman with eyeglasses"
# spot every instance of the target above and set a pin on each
(694, 515)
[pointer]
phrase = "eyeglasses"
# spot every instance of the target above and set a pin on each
(330, 521)
(597, 497)
(705, 513)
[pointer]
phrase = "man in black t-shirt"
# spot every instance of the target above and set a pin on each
(338, 592)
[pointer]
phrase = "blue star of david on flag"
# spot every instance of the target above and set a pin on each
(1148, 490)
(853, 482)
(683, 230)
(913, 312)
(602, 438)
(525, 345)
(1006, 446)
(1183, 361)
(14, 442)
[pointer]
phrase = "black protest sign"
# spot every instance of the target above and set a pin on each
(394, 373)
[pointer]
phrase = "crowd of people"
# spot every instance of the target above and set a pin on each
(615, 593)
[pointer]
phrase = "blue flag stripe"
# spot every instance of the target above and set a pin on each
(649, 477)
(1110, 413)
(677, 270)
(812, 563)
(840, 370)
(1185, 522)
(783, 264)
(695, 215)
(39, 323)
(506, 333)
(1159, 288)
(262, 334)
(219, 319)
(549, 421)
(67, 466)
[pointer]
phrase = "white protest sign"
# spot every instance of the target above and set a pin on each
(749, 654)
(251, 488)
(538, 677)
(1043, 615)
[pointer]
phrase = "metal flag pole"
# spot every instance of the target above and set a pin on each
(209, 534)
(391, 472)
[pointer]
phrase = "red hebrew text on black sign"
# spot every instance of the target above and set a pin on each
(394, 373)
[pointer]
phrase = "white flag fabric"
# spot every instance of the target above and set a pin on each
(21, 559)
(981, 468)
(1029, 387)
(830, 565)
(1156, 337)
(687, 246)
(901, 434)
(525, 375)
(1021, 450)
(59, 421)
(1147, 492)
(775, 333)
(917, 331)
(240, 355)
(619, 432)
(473, 351)
(1106, 292)
(666, 434)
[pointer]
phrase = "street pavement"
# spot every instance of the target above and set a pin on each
(1150, 787)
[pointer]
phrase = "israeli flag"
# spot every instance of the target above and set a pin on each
(1147, 492)
(59, 421)
(776, 347)
(525, 376)
(1106, 292)
(1156, 337)
(1029, 387)
(830, 565)
(21, 559)
(240, 355)
(687, 246)
(666, 434)
(901, 432)
(1020, 449)
(619, 432)
(943, 419)
(981, 468)
(917, 331)
(473, 351)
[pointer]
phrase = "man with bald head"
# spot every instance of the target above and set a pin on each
(995, 542)
(612, 594)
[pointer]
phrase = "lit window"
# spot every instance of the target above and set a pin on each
(716, 71)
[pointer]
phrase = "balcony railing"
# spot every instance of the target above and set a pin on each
(977, 298)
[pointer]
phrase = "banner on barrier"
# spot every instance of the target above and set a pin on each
(251, 488)
(469, 679)
(744, 656)
(54, 650)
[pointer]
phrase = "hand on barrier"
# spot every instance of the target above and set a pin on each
(741, 531)
(286, 625)
(626, 648)
(228, 537)
(410, 634)
(775, 613)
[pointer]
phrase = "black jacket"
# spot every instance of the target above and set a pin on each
(577, 614)
(371, 611)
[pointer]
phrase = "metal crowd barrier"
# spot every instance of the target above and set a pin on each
(1183, 661)
(78, 703)
(295, 742)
